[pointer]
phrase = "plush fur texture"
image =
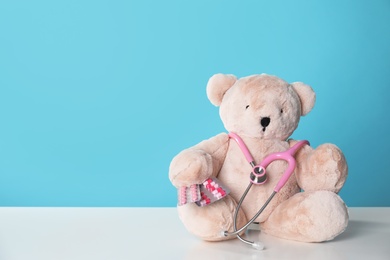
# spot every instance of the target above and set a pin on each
(264, 111)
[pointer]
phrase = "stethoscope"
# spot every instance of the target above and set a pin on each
(257, 177)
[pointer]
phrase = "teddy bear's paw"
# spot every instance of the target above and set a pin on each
(308, 217)
(210, 222)
(327, 169)
(189, 167)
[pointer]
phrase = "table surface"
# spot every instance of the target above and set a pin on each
(157, 233)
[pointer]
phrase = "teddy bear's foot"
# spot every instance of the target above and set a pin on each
(210, 222)
(314, 216)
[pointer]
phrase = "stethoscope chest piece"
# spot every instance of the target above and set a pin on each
(258, 175)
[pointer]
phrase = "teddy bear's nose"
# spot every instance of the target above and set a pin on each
(265, 122)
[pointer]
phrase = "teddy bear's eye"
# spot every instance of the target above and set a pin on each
(281, 111)
(247, 107)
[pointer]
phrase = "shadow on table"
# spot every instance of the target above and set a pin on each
(357, 228)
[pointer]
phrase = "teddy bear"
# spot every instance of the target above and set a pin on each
(263, 110)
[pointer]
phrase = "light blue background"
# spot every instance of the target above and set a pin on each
(96, 97)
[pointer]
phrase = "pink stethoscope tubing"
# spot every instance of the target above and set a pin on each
(258, 176)
(287, 156)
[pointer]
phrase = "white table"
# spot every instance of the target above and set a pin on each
(157, 233)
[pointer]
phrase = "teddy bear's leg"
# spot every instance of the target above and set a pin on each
(313, 216)
(210, 221)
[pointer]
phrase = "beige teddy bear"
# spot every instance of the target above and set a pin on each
(264, 111)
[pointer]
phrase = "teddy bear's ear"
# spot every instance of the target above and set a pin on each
(306, 95)
(217, 86)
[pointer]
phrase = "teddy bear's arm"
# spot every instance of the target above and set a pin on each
(197, 163)
(323, 168)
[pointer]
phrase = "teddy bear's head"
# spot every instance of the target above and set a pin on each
(260, 106)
